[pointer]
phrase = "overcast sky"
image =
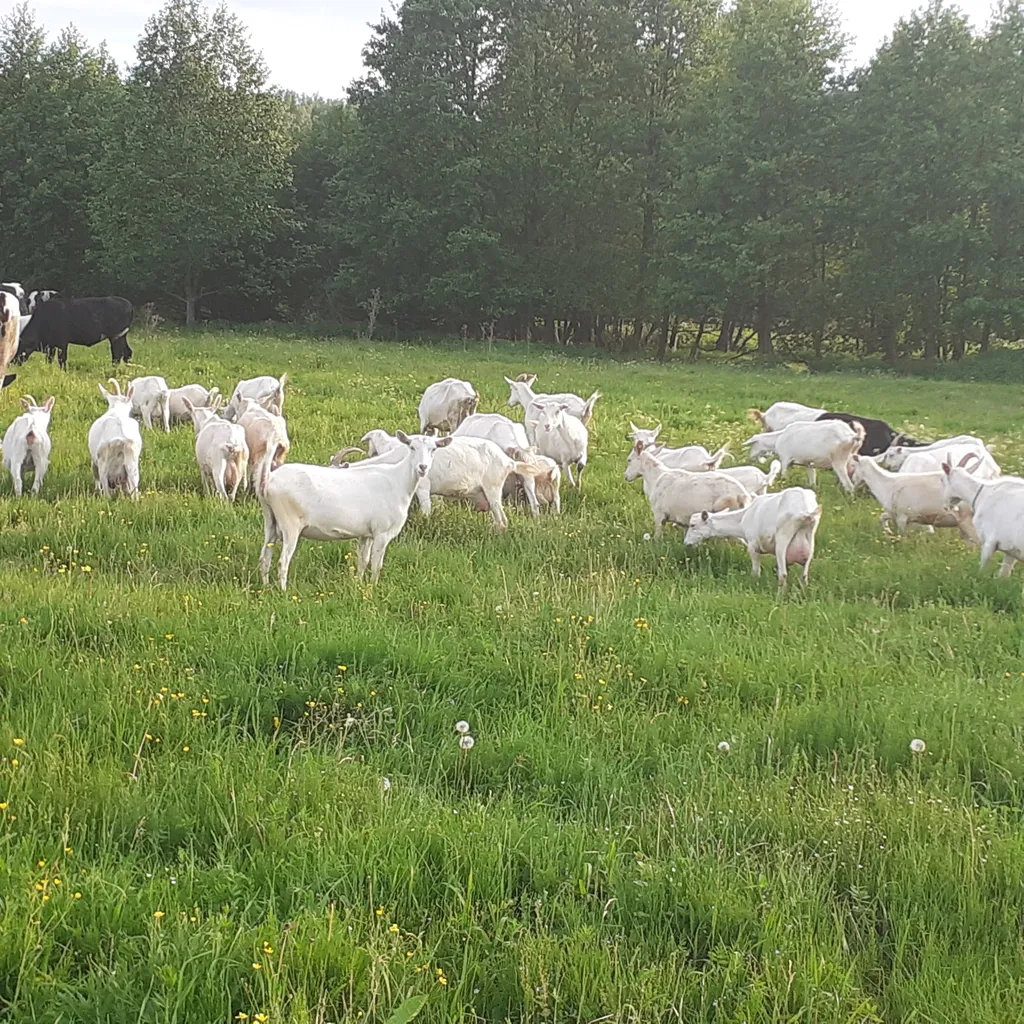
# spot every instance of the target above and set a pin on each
(314, 46)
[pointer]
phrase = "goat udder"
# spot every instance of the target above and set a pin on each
(798, 552)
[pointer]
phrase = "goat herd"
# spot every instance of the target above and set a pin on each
(486, 458)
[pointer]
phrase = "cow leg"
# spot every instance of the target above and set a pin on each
(62, 357)
(120, 350)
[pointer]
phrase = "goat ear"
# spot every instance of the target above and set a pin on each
(403, 437)
(657, 430)
(444, 442)
(633, 427)
(50, 403)
(704, 516)
(103, 391)
(563, 408)
(188, 405)
(947, 467)
(131, 391)
(638, 447)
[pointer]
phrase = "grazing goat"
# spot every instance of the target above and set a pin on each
(695, 457)
(997, 508)
(755, 480)
(28, 441)
(784, 525)
(781, 414)
(365, 503)
(511, 438)
(446, 404)
(675, 494)
(58, 323)
(266, 435)
(196, 394)
(983, 466)
(547, 483)
(470, 469)
(524, 395)
(563, 438)
(152, 400)
(910, 499)
(115, 445)
(268, 391)
(894, 457)
(221, 452)
(820, 444)
(878, 435)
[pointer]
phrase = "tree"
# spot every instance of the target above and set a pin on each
(755, 162)
(194, 177)
(63, 97)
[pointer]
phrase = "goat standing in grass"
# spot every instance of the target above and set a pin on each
(27, 442)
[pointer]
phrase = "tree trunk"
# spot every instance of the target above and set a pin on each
(191, 301)
(986, 336)
(724, 343)
(764, 325)
(695, 351)
(663, 335)
(550, 335)
(887, 339)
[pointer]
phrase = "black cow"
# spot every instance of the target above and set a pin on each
(61, 322)
(878, 435)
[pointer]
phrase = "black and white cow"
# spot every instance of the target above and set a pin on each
(58, 323)
(18, 291)
(34, 298)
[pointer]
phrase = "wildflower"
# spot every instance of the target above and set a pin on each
(257, 967)
(918, 746)
(186, 749)
(394, 929)
(268, 949)
(78, 895)
(343, 668)
(168, 636)
(261, 1018)
(68, 850)
(159, 915)
(18, 742)
(462, 727)
(724, 747)
(15, 763)
(41, 864)
(380, 911)
(386, 784)
(647, 536)
(86, 568)
(241, 1016)
(23, 620)
(3, 806)
(467, 742)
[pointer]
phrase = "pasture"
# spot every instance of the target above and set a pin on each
(220, 802)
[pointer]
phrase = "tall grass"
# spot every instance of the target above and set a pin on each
(221, 801)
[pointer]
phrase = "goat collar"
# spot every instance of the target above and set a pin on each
(974, 500)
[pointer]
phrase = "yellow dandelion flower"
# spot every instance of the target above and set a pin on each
(380, 911)
(241, 1016)
(186, 749)
(18, 742)
(168, 636)
(257, 967)
(442, 981)
(23, 620)
(78, 895)
(41, 864)
(261, 1018)
(3, 806)
(15, 763)
(159, 915)
(394, 929)
(68, 850)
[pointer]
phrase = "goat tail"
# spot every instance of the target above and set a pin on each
(721, 455)
(588, 408)
(756, 416)
(859, 431)
(809, 518)
(165, 409)
(529, 469)
(773, 472)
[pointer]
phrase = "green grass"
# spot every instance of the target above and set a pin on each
(204, 761)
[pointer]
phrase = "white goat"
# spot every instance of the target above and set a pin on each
(524, 395)
(446, 404)
(366, 503)
(28, 441)
(997, 508)
(755, 480)
(675, 494)
(563, 438)
(910, 499)
(894, 457)
(151, 401)
(782, 414)
(547, 483)
(115, 445)
(470, 469)
(784, 525)
(762, 445)
(221, 452)
(820, 444)
(695, 457)
(511, 438)
(196, 394)
(266, 436)
(268, 391)
(982, 467)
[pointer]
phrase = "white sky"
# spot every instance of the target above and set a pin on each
(314, 46)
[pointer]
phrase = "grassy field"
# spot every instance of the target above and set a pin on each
(221, 802)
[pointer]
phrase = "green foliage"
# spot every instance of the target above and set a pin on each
(202, 150)
(204, 761)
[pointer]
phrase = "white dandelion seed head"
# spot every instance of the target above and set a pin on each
(724, 747)
(462, 727)
(385, 784)
(467, 742)
(647, 536)
(918, 746)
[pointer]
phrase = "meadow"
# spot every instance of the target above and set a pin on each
(220, 802)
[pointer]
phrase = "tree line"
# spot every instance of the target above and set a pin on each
(637, 175)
